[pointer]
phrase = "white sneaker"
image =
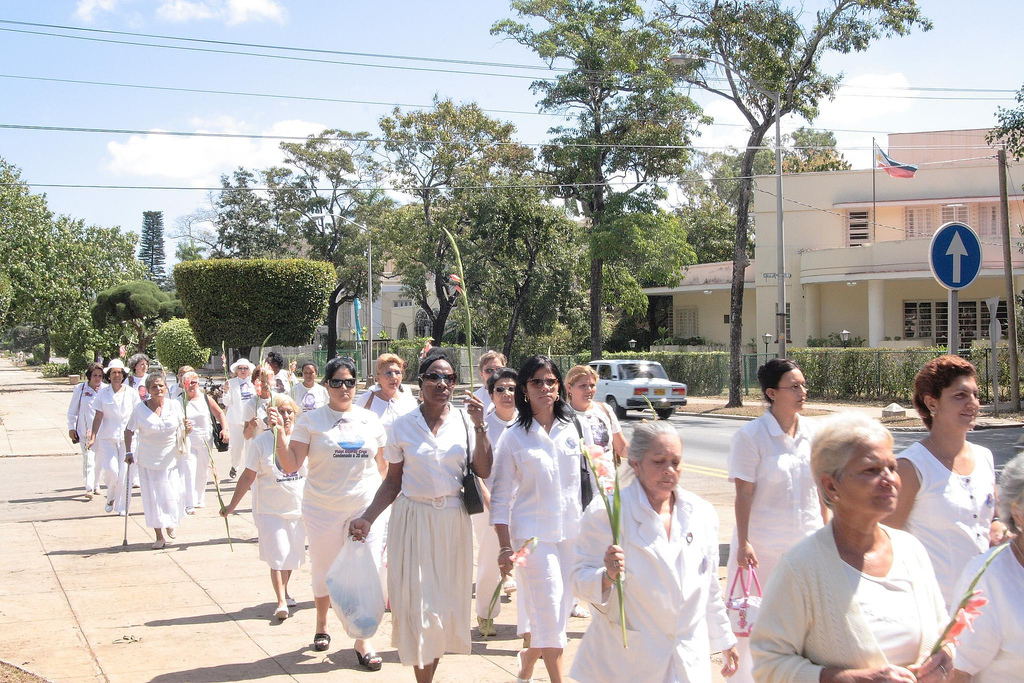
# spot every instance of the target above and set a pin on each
(109, 507)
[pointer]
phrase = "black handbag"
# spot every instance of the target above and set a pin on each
(472, 497)
(220, 444)
(586, 480)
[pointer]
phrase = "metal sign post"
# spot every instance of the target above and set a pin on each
(954, 256)
(995, 331)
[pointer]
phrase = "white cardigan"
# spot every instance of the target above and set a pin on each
(810, 620)
(675, 616)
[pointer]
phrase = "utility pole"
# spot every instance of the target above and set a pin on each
(1011, 298)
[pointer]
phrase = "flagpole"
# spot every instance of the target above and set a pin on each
(874, 225)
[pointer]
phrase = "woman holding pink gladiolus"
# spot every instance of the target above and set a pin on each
(990, 645)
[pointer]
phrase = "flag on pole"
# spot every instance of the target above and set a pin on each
(894, 168)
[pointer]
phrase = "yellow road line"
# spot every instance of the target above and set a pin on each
(706, 471)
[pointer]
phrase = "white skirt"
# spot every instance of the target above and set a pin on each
(282, 540)
(163, 500)
(430, 580)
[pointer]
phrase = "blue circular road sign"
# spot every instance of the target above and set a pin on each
(955, 255)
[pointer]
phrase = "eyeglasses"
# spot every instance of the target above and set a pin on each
(338, 383)
(799, 388)
(392, 373)
(504, 390)
(438, 378)
(546, 382)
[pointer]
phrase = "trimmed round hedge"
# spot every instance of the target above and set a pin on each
(176, 345)
(240, 301)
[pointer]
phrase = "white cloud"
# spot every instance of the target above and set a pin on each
(230, 11)
(866, 98)
(199, 161)
(86, 9)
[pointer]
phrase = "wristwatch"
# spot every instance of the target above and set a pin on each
(479, 428)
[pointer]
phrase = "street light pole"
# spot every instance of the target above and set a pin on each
(776, 97)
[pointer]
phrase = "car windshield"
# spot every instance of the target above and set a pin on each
(642, 371)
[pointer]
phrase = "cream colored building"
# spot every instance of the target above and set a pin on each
(393, 312)
(863, 267)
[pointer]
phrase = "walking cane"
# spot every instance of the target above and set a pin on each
(127, 501)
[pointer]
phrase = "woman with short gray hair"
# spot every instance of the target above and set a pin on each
(992, 651)
(674, 610)
(854, 601)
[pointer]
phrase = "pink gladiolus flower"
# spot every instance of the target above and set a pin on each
(966, 616)
(455, 278)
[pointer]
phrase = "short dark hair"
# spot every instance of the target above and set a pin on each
(338, 363)
(770, 374)
(275, 358)
(136, 359)
(309, 362)
(499, 374)
(432, 357)
(91, 368)
(934, 377)
(527, 370)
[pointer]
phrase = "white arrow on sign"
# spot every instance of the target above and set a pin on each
(957, 250)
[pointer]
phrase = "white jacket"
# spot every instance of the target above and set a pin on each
(234, 401)
(675, 615)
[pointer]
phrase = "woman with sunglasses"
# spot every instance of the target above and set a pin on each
(342, 446)
(539, 467)
(487, 365)
(430, 538)
(777, 502)
(389, 398)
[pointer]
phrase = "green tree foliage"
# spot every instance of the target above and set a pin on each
(139, 304)
(6, 295)
(708, 221)
(176, 345)
(766, 46)
(245, 222)
(56, 264)
(240, 301)
(1010, 130)
(441, 157)
(151, 246)
(630, 124)
(327, 185)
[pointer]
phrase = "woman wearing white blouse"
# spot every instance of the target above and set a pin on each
(389, 399)
(538, 463)
(992, 651)
(777, 502)
(855, 602)
(199, 407)
(948, 497)
(343, 445)
(430, 539)
(162, 431)
(114, 405)
(81, 412)
(675, 614)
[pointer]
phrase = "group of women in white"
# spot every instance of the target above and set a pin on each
(862, 553)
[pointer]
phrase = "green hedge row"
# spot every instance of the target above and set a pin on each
(241, 301)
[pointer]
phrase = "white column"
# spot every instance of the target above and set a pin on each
(876, 312)
(812, 310)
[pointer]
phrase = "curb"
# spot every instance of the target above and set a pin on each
(745, 418)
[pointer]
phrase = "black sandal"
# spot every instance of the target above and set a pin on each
(321, 641)
(371, 661)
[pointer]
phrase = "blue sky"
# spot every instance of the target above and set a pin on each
(966, 49)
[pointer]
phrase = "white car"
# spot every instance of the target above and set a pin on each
(630, 384)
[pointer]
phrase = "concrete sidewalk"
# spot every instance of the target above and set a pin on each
(77, 606)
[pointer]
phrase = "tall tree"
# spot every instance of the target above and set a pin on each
(245, 220)
(765, 46)
(442, 157)
(151, 246)
(326, 190)
(630, 126)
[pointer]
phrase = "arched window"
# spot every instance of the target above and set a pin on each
(422, 323)
(403, 331)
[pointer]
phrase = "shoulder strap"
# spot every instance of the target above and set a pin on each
(469, 450)
(81, 392)
(579, 427)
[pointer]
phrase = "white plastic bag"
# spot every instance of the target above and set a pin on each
(354, 586)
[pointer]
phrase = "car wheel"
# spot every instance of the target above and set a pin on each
(665, 413)
(620, 412)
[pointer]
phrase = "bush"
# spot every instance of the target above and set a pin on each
(6, 295)
(241, 301)
(38, 353)
(55, 370)
(78, 361)
(176, 345)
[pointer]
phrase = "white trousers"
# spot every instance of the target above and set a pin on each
(187, 468)
(545, 592)
(90, 473)
(113, 470)
(487, 573)
(201, 478)
(236, 446)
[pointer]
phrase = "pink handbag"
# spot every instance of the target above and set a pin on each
(743, 608)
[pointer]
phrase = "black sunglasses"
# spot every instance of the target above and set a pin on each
(338, 383)
(438, 377)
(502, 390)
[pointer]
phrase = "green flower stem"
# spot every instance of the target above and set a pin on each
(963, 601)
(465, 305)
(216, 485)
(614, 509)
(224, 352)
(531, 543)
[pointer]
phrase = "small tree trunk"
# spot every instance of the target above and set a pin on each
(596, 307)
(332, 323)
(46, 345)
